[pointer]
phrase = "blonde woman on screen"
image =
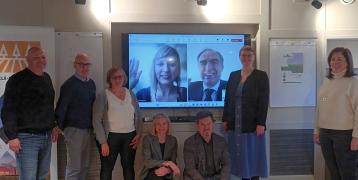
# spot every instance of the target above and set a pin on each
(164, 78)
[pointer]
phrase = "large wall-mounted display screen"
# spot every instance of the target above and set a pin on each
(181, 70)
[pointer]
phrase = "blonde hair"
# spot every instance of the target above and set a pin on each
(246, 48)
(155, 120)
(163, 52)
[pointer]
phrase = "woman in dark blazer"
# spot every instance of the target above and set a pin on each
(160, 151)
(244, 117)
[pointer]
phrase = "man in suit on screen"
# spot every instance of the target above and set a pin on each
(211, 64)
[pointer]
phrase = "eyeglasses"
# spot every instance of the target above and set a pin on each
(83, 65)
(117, 77)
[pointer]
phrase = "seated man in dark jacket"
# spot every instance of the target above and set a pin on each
(206, 156)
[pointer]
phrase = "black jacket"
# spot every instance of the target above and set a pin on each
(255, 98)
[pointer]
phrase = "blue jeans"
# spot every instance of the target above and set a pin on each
(336, 150)
(33, 160)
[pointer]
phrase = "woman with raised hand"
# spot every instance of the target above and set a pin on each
(164, 78)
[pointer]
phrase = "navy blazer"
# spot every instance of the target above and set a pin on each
(152, 155)
(196, 90)
(254, 100)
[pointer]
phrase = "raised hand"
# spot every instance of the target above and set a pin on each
(134, 74)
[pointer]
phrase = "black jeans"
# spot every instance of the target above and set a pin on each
(340, 160)
(118, 143)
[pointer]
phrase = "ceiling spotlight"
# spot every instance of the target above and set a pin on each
(316, 4)
(201, 2)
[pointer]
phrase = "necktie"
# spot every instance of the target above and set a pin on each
(208, 93)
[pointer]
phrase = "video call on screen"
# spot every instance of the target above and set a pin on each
(173, 59)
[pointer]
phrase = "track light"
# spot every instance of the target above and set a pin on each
(316, 4)
(201, 2)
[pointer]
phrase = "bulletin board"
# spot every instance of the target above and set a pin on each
(292, 72)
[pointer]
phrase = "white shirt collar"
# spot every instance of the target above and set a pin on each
(215, 87)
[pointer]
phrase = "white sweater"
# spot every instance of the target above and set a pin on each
(337, 106)
(120, 113)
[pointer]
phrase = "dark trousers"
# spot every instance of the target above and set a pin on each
(340, 160)
(118, 143)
